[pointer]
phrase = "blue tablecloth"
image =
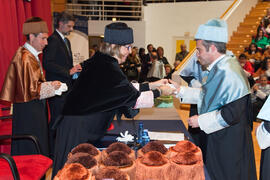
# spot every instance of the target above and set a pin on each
(151, 125)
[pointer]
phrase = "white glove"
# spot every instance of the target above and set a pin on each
(63, 88)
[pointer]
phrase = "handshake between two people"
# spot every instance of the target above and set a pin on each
(165, 86)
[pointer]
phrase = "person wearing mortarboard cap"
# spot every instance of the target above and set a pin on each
(25, 86)
(101, 92)
(224, 106)
(263, 138)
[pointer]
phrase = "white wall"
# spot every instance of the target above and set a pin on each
(79, 46)
(96, 28)
(165, 21)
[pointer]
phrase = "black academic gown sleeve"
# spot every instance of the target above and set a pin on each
(101, 86)
(233, 111)
(230, 153)
(265, 158)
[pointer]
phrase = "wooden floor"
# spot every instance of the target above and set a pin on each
(183, 112)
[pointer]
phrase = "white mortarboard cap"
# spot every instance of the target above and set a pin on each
(213, 30)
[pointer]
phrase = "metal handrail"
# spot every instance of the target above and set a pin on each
(108, 9)
(191, 52)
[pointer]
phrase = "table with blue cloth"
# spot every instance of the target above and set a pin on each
(174, 124)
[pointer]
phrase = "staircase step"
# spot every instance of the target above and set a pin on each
(250, 23)
(253, 19)
(239, 46)
(247, 31)
(237, 34)
(240, 39)
(247, 28)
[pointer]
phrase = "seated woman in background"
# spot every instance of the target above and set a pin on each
(254, 55)
(260, 92)
(168, 70)
(260, 40)
(264, 69)
(266, 52)
(263, 28)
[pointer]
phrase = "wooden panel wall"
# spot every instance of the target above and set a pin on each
(58, 5)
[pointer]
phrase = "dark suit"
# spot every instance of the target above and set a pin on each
(57, 61)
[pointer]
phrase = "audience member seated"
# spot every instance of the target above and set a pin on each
(260, 92)
(264, 69)
(266, 18)
(246, 65)
(248, 68)
(260, 40)
(263, 28)
(182, 54)
(266, 52)
(157, 70)
(91, 53)
(160, 52)
(168, 70)
(141, 54)
(175, 64)
(254, 55)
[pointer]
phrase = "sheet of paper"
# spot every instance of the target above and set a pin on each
(166, 136)
(265, 110)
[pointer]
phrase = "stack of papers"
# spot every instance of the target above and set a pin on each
(166, 136)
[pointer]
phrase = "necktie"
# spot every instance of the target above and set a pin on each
(205, 76)
(67, 44)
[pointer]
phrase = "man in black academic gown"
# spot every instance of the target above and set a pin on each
(224, 107)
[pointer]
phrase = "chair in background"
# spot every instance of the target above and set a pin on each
(5, 128)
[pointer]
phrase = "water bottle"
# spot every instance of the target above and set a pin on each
(145, 137)
(140, 133)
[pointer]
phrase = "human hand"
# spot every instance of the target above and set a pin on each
(166, 90)
(78, 67)
(74, 69)
(154, 85)
(176, 85)
(255, 87)
(193, 121)
(56, 84)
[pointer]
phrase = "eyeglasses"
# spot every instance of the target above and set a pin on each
(129, 47)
